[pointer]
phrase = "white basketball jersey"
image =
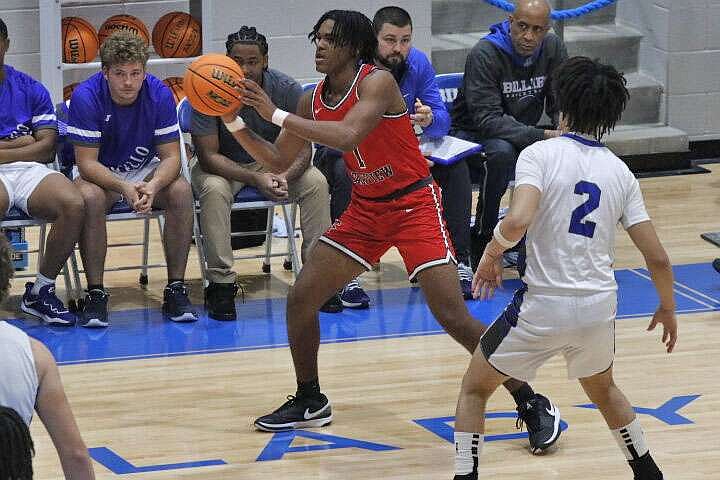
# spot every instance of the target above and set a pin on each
(18, 377)
(586, 191)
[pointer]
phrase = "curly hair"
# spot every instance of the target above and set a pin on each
(123, 47)
(16, 446)
(248, 36)
(591, 95)
(3, 30)
(7, 267)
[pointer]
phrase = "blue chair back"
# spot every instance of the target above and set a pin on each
(65, 150)
(449, 84)
(184, 113)
(308, 86)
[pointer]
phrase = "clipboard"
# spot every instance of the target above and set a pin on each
(448, 150)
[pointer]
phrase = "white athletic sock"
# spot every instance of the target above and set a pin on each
(40, 282)
(468, 447)
(631, 440)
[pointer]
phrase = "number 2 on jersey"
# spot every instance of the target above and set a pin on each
(577, 226)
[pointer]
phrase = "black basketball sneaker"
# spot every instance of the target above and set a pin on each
(542, 420)
(297, 412)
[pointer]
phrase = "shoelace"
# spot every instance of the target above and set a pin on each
(353, 285)
(464, 272)
(528, 416)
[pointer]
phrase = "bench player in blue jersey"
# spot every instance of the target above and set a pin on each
(28, 130)
(123, 125)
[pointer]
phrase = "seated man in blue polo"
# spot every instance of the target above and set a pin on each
(28, 131)
(123, 125)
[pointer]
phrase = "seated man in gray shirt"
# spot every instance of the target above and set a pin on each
(223, 167)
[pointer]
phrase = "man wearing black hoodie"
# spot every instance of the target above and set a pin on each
(502, 98)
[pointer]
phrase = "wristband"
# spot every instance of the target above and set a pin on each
(279, 116)
(236, 125)
(504, 242)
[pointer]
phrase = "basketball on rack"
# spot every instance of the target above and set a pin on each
(177, 35)
(80, 42)
(123, 23)
(175, 84)
(210, 82)
(68, 90)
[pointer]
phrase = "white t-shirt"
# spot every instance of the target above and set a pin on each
(586, 191)
(18, 377)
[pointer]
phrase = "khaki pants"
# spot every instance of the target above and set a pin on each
(216, 194)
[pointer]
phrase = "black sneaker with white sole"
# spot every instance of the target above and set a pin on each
(95, 312)
(297, 412)
(176, 304)
(542, 420)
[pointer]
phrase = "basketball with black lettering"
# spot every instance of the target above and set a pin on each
(177, 35)
(80, 42)
(210, 84)
(175, 84)
(123, 23)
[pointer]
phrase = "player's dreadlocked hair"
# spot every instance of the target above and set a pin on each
(351, 29)
(16, 446)
(590, 95)
(3, 30)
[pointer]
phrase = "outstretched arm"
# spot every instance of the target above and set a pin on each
(524, 206)
(378, 92)
(55, 413)
(646, 240)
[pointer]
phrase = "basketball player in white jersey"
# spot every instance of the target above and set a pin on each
(30, 382)
(570, 194)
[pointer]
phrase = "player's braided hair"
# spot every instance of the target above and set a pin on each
(590, 95)
(16, 446)
(3, 30)
(247, 35)
(351, 29)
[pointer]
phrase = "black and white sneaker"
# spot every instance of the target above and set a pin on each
(297, 412)
(542, 420)
(176, 304)
(95, 312)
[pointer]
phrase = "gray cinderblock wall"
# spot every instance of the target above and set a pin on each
(681, 48)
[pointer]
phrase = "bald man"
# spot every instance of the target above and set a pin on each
(501, 101)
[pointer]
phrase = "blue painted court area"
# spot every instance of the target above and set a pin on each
(400, 312)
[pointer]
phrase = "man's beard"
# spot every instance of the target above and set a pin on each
(396, 68)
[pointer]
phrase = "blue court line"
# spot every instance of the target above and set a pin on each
(394, 313)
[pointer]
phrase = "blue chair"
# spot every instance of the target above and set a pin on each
(120, 211)
(449, 84)
(248, 198)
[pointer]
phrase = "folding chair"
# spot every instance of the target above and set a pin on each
(248, 198)
(17, 218)
(119, 212)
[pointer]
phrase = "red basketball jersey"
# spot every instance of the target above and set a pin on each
(388, 158)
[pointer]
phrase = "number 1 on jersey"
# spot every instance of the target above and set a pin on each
(577, 226)
(358, 157)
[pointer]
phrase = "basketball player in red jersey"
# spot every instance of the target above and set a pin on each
(359, 110)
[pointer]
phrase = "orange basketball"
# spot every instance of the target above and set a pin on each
(210, 82)
(80, 42)
(68, 90)
(175, 84)
(123, 23)
(177, 35)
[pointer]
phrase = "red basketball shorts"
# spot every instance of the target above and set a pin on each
(413, 224)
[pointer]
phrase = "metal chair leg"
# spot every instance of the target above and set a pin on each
(291, 240)
(268, 239)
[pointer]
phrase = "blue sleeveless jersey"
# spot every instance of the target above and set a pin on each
(125, 135)
(25, 105)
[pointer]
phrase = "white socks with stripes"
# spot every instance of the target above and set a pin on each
(468, 447)
(631, 440)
